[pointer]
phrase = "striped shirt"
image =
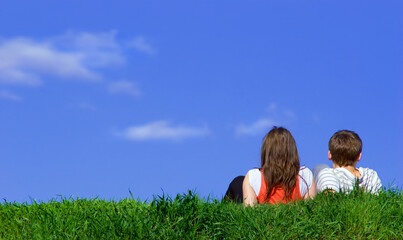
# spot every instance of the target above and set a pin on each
(340, 179)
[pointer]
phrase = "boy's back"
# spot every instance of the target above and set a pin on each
(341, 179)
(345, 151)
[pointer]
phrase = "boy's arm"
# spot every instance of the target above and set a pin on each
(376, 183)
(327, 180)
(249, 195)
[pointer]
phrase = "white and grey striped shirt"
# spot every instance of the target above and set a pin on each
(340, 179)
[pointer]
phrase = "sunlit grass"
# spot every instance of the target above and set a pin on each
(358, 215)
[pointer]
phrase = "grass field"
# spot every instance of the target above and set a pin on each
(358, 215)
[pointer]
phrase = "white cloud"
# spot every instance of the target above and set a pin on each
(18, 77)
(124, 87)
(24, 61)
(160, 130)
(104, 41)
(259, 127)
(9, 96)
(97, 49)
(142, 45)
(276, 116)
(280, 114)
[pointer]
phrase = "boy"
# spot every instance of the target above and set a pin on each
(345, 151)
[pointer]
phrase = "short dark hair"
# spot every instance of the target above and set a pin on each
(345, 146)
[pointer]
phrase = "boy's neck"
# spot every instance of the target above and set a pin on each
(351, 169)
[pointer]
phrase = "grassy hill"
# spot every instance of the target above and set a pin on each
(358, 215)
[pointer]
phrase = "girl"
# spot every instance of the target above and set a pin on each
(280, 179)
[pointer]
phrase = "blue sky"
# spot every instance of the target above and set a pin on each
(101, 97)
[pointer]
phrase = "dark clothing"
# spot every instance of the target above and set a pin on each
(234, 192)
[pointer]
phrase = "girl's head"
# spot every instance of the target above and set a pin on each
(280, 161)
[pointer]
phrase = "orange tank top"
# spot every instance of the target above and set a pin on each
(278, 195)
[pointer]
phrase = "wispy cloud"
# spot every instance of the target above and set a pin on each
(275, 116)
(97, 49)
(280, 114)
(142, 45)
(288, 114)
(10, 96)
(272, 107)
(124, 87)
(162, 130)
(257, 127)
(87, 106)
(75, 55)
(316, 118)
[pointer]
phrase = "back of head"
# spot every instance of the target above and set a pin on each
(280, 161)
(345, 147)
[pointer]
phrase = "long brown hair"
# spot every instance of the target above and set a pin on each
(279, 161)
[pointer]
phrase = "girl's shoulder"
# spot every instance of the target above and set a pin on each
(255, 177)
(254, 174)
(304, 171)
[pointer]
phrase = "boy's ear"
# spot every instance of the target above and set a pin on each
(359, 158)
(329, 155)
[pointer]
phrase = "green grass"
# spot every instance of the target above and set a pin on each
(329, 216)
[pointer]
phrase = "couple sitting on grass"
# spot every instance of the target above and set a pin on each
(281, 179)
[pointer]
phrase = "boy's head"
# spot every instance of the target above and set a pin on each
(345, 148)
